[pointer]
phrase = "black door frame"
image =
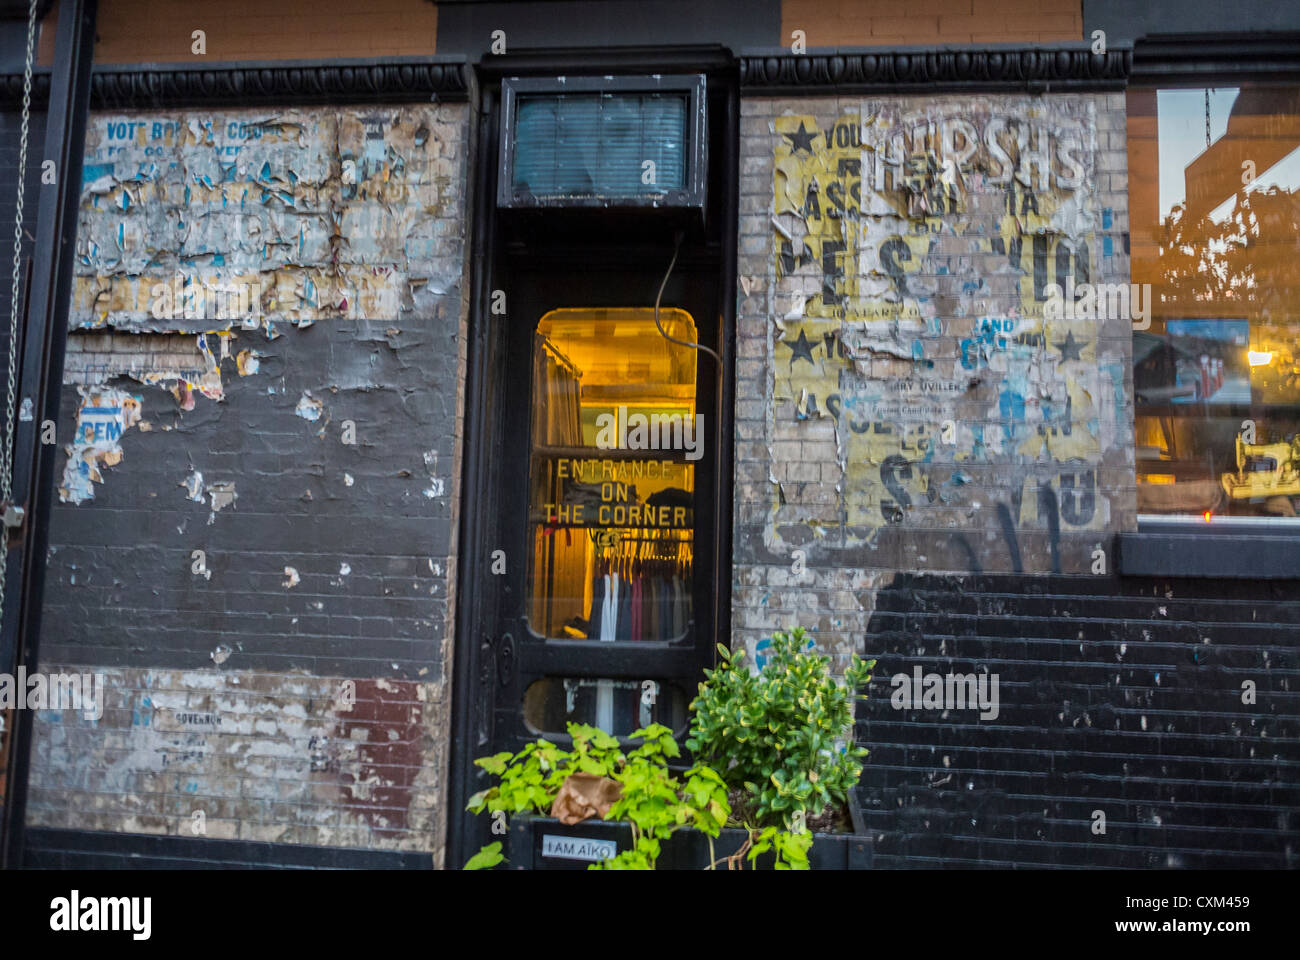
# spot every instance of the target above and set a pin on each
(486, 665)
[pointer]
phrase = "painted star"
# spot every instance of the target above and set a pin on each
(801, 347)
(801, 139)
(1070, 348)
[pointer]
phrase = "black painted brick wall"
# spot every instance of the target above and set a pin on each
(120, 588)
(1123, 696)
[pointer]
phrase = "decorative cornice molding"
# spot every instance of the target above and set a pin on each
(917, 69)
(11, 90)
(1152, 60)
(281, 83)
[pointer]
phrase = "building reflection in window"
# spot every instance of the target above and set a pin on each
(1214, 184)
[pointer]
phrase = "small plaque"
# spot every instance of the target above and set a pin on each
(578, 848)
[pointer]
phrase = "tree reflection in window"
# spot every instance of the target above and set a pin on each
(1216, 231)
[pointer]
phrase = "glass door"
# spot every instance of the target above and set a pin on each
(615, 436)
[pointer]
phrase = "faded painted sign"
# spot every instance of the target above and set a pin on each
(915, 243)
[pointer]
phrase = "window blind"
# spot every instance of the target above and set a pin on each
(598, 145)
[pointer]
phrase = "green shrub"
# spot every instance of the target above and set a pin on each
(653, 801)
(776, 733)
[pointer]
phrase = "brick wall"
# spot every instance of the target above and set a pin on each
(905, 403)
(931, 469)
(308, 449)
(868, 23)
(257, 756)
(161, 31)
(1119, 696)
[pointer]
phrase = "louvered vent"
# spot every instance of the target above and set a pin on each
(603, 142)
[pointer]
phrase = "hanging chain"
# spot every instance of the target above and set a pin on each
(1207, 118)
(7, 448)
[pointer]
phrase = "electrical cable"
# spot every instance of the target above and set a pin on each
(677, 245)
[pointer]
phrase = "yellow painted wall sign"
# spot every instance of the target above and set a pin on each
(914, 244)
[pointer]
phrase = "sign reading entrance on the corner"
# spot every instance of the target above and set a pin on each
(578, 848)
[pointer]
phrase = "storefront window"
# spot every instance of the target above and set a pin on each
(1214, 181)
(615, 438)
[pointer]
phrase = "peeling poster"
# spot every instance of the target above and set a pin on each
(104, 415)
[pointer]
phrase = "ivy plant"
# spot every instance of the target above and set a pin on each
(778, 733)
(654, 801)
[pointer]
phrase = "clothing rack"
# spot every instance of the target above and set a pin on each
(664, 542)
(685, 538)
(641, 591)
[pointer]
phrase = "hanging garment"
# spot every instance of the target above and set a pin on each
(666, 610)
(652, 609)
(624, 632)
(671, 497)
(596, 617)
(586, 494)
(636, 610)
(609, 624)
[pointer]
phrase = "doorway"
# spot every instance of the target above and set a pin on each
(596, 512)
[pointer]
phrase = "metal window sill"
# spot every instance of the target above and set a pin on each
(1256, 548)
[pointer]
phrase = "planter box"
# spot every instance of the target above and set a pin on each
(543, 843)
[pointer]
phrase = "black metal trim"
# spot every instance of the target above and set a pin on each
(1200, 60)
(724, 515)
(45, 334)
(1191, 550)
(262, 83)
(63, 849)
(709, 59)
(915, 69)
(472, 547)
(1163, 59)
